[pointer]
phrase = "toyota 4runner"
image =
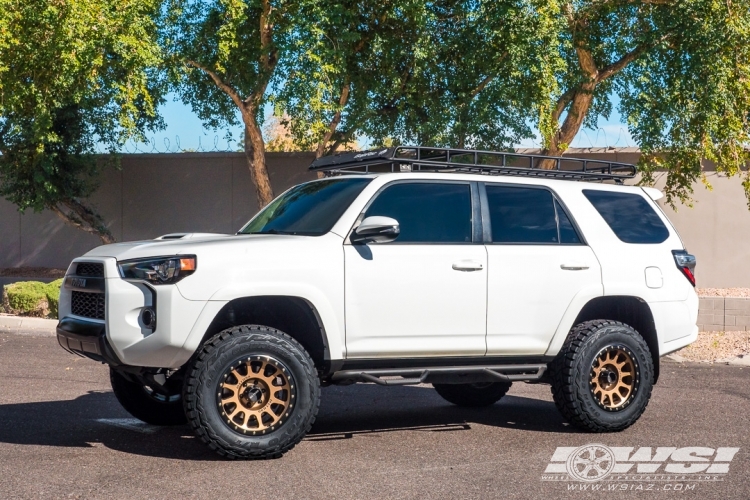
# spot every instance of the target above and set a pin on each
(467, 270)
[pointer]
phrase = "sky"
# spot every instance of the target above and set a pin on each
(185, 131)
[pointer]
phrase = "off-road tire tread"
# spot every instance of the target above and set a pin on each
(561, 375)
(195, 407)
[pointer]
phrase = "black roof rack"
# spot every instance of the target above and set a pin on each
(429, 159)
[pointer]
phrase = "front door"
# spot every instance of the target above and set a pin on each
(423, 294)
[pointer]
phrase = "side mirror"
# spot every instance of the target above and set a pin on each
(376, 229)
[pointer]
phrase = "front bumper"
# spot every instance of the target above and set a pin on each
(121, 338)
(86, 338)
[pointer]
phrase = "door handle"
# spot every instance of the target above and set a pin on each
(574, 266)
(467, 265)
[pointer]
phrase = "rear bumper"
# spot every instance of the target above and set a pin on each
(676, 323)
(676, 345)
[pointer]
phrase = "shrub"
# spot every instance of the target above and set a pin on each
(52, 291)
(32, 298)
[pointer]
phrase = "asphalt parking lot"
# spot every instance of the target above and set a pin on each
(63, 435)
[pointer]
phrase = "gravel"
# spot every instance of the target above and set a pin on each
(723, 292)
(712, 346)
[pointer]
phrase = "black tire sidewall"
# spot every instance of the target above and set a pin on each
(208, 374)
(136, 401)
(581, 383)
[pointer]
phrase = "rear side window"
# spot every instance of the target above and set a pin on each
(629, 215)
(527, 215)
(428, 212)
(568, 233)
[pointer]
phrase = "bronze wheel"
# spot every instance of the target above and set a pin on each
(614, 377)
(256, 395)
(603, 376)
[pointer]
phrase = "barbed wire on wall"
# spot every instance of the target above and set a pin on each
(224, 145)
(152, 146)
(584, 139)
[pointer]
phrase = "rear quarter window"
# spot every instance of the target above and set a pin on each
(630, 216)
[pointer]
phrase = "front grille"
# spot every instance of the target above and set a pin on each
(88, 305)
(92, 269)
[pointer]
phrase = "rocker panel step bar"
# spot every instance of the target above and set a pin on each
(413, 376)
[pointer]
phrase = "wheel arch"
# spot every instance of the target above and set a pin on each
(293, 315)
(630, 310)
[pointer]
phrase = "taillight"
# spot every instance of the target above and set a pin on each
(685, 263)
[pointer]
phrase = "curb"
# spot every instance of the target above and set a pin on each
(24, 323)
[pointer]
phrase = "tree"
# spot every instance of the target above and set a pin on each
(681, 70)
(74, 75)
(482, 70)
(449, 73)
(227, 54)
(354, 57)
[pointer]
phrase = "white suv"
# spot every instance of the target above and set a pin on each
(467, 270)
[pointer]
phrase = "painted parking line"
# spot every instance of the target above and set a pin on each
(131, 424)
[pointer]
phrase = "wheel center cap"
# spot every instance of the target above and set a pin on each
(607, 377)
(254, 394)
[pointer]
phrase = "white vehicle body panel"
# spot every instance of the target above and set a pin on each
(528, 292)
(409, 301)
(406, 301)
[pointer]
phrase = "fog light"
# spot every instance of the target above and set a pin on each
(148, 318)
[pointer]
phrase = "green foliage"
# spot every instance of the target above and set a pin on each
(479, 73)
(688, 99)
(52, 293)
(451, 73)
(33, 298)
(680, 71)
(225, 37)
(351, 61)
(480, 70)
(73, 74)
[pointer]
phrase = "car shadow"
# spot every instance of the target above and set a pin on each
(367, 408)
(346, 412)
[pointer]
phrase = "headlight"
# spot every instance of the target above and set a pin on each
(160, 270)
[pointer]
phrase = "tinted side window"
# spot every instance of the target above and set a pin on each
(629, 215)
(567, 231)
(427, 212)
(521, 215)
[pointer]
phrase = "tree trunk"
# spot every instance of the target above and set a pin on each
(81, 216)
(579, 106)
(255, 153)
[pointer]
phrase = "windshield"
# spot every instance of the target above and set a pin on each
(309, 209)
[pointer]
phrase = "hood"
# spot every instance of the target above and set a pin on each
(168, 244)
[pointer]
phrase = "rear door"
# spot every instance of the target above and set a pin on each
(424, 294)
(537, 263)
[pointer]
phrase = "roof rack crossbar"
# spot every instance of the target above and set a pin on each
(431, 159)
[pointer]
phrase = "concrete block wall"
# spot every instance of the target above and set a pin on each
(724, 314)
